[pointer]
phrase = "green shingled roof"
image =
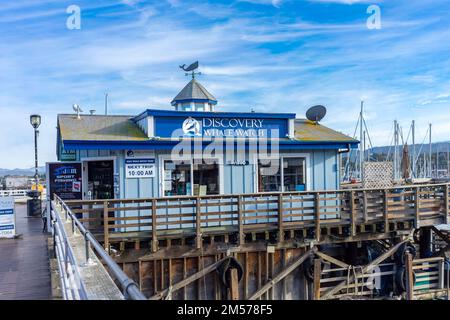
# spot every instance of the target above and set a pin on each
(122, 128)
(306, 130)
(99, 128)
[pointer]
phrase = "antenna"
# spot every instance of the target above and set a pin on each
(106, 103)
(77, 109)
(316, 113)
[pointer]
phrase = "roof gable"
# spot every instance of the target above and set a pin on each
(194, 91)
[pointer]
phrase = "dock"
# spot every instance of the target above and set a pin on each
(24, 261)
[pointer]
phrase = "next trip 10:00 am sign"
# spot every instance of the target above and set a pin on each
(139, 168)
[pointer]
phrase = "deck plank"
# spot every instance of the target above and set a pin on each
(24, 262)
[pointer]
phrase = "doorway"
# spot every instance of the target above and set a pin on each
(100, 182)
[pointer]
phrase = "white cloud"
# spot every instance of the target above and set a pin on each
(346, 1)
(263, 62)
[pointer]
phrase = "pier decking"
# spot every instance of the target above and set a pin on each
(24, 262)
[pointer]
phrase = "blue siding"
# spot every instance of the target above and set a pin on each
(323, 169)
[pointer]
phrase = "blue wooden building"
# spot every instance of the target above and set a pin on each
(133, 156)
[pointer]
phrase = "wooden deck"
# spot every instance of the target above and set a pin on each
(320, 216)
(24, 262)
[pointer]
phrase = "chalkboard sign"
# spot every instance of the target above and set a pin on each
(64, 179)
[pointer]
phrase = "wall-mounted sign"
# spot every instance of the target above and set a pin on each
(69, 155)
(238, 162)
(139, 168)
(64, 179)
(221, 127)
(7, 218)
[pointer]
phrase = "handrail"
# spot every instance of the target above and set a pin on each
(129, 287)
(65, 255)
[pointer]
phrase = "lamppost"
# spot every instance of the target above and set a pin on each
(35, 121)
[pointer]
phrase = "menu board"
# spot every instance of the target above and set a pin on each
(64, 179)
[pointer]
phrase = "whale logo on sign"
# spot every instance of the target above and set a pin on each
(191, 127)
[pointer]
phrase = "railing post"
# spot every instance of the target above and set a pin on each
(105, 225)
(409, 277)
(198, 219)
(241, 235)
(441, 275)
(365, 213)
(317, 214)
(280, 218)
(316, 282)
(86, 248)
(446, 210)
(416, 208)
(352, 214)
(386, 211)
(234, 284)
(154, 227)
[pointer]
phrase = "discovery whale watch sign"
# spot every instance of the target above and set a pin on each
(216, 126)
(225, 127)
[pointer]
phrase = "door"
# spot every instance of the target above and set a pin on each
(100, 180)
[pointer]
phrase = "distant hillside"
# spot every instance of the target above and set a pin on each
(21, 172)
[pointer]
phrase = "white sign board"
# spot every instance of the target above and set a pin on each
(139, 168)
(7, 218)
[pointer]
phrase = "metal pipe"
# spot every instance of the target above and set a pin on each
(129, 287)
(36, 175)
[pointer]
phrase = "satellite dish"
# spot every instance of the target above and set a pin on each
(316, 113)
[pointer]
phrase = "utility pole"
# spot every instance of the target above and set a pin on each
(106, 103)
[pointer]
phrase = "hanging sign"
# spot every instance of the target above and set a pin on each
(7, 218)
(139, 168)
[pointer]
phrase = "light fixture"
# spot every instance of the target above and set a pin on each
(35, 120)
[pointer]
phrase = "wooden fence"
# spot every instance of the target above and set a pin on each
(187, 216)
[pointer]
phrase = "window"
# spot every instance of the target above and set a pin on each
(268, 181)
(206, 179)
(188, 178)
(199, 106)
(177, 178)
(186, 106)
(291, 176)
(294, 174)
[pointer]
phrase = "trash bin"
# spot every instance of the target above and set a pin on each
(34, 204)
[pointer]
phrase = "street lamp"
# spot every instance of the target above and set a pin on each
(35, 121)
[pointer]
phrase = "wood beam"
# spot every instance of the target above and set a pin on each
(282, 274)
(316, 282)
(365, 269)
(332, 260)
(188, 280)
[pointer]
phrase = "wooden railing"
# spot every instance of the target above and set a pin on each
(429, 275)
(169, 217)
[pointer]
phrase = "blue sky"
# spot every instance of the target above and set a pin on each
(269, 55)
